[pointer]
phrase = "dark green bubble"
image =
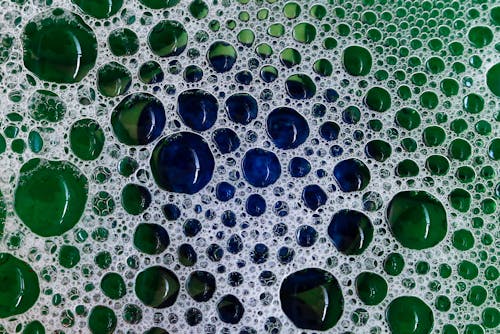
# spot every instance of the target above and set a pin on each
(408, 118)
(69, 256)
(100, 9)
(157, 287)
(168, 38)
(304, 33)
(86, 139)
(102, 320)
(123, 42)
(34, 327)
(50, 196)
(493, 79)
(357, 60)
(480, 36)
(371, 288)
(113, 79)
(19, 289)
(45, 105)
(135, 198)
(159, 4)
(59, 47)
(378, 99)
(113, 286)
(417, 219)
(151, 238)
(409, 315)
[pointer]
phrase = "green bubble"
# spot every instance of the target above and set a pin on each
(59, 46)
(20, 288)
(433, 136)
(378, 149)
(378, 99)
(35, 141)
(86, 139)
(435, 65)
(135, 198)
(151, 239)
(3, 214)
(429, 100)
(199, 9)
(69, 256)
(493, 79)
(127, 166)
(304, 33)
(460, 149)
(459, 125)
(103, 204)
(442, 303)
(394, 264)
(246, 37)
(449, 329)
(490, 317)
(157, 287)
(357, 60)
(477, 295)
(371, 288)
(408, 118)
(222, 56)
(409, 315)
(276, 30)
(100, 9)
(467, 270)
(45, 105)
(480, 36)
(34, 327)
(460, 199)
(50, 196)
(102, 320)
(132, 314)
(290, 57)
(113, 286)
(300, 86)
(103, 259)
(449, 87)
(473, 103)
(417, 219)
(264, 50)
(123, 42)
(494, 149)
(168, 38)
(159, 4)
(113, 79)
(291, 10)
(473, 329)
(407, 168)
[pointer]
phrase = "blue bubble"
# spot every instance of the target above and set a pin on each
(350, 231)
(193, 73)
(285, 255)
(230, 309)
(351, 175)
(234, 244)
(226, 140)
(171, 211)
(191, 227)
(255, 205)
(259, 254)
(306, 236)
(224, 191)
(300, 86)
(287, 128)
(221, 56)
(241, 108)
(187, 255)
(331, 95)
(228, 218)
(329, 131)
(244, 77)
(299, 167)
(197, 109)
(261, 168)
(215, 252)
(182, 163)
(313, 196)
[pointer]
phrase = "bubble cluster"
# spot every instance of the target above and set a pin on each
(249, 166)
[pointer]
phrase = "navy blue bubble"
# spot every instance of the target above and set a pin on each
(331, 95)
(215, 252)
(287, 128)
(226, 140)
(350, 231)
(259, 254)
(224, 191)
(244, 77)
(261, 168)
(230, 309)
(193, 73)
(191, 227)
(171, 211)
(351, 175)
(234, 244)
(285, 255)
(187, 255)
(313, 196)
(299, 167)
(197, 109)
(182, 163)
(255, 205)
(329, 131)
(228, 218)
(241, 108)
(306, 236)
(300, 86)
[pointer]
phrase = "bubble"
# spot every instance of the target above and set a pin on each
(378, 99)
(157, 287)
(351, 175)
(168, 38)
(123, 42)
(59, 46)
(113, 79)
(241, 108)
(99, 9)
(261, 168)
(221, 56)
(300, 86)
(371, 288)
(312, 299)
(230, 309)
(50, 196)
(408, 314)
(102, 320)
(357, 60)
(350, 231)
(113, 286)
(287, 128)
(86, 139)
(45, 105)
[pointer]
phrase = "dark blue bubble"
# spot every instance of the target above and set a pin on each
(287, 128)
(138, 119)
(299, 167)
(193, 316)
(230, 309)
(171, 211)
(336, 151)
(182, 163)
(200, 285)
(281, 208)
(306, 236)
(224, 191)
(268, 74)
(350, 231)
(235, 279)
(241, 108)
(320, 173)
(215, 252)
(318, 110)
(331, 95)
(226, 140)
(300, 86)
(329, 131)
(313, 196)
(280, 229)
(243, 77)
(221, 56)
(193, 73)
(151, 239)
(197, 109)
(285, 255)
(187, 255)
(351, 175)
(267, 278)
(255, 205)
(260, 167)
(234, 244)
(247, 330)
(259, 254)
(191, 227)
(228, 218)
